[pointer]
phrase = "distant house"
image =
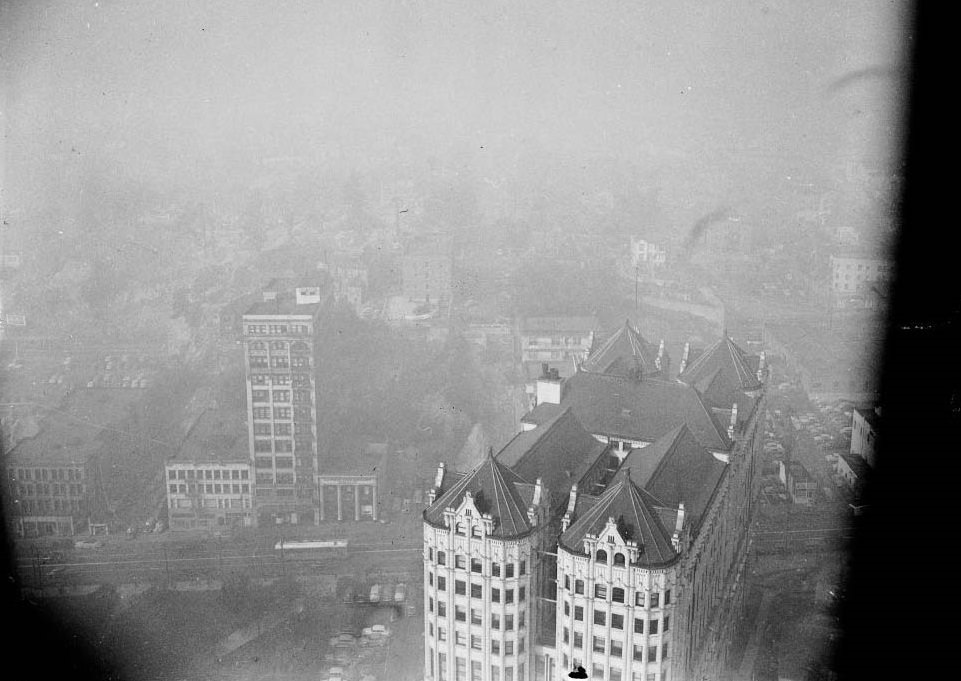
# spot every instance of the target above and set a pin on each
(801, 485)
(850, 470)
(427, 266)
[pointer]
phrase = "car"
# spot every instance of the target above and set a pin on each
(375, 593)
(88, 544)
(380, 629)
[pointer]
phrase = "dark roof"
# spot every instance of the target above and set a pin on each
(496, 490)
(285, 302)
(636, 514)
(739, 370)
(559, 452)
(218, 435)
(641, 410)
(855, 463)
(625, 350)
(676, 469)
(869, 415)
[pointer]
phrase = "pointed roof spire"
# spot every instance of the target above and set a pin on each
(490, 452)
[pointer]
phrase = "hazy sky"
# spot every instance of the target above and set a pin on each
(158, 89)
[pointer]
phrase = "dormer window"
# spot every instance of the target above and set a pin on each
(619, 559)
(475, 531)
(601, 556)
(459, 529)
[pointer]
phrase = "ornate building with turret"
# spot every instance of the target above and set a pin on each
(611, 533)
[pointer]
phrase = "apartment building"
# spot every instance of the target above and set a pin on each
(426, 268)
(279, 344)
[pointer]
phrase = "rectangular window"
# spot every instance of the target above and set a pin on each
(522, 594)
(652, 654)
(460, 638)
(495, 622)
(567, 608)
(567, 635)
(667, 622)
(615, 674)
(617, 621)
(638, 625)
(652, 627)
(508, 647)
(495, 595)
(476, 616)
(600, 592)
(567, 582)
(520, 645)
(578, 639)
(663, 652)
(475, 642)
(521, 618)
(578, 586)
(508, 672)
(460, 587)
(655, 600)
(639, 599)
(442, 666)
(495, 649)
(430, 604)
(475, 665)
(430, 579)
(600, 617)
(599, 646)
(508, 595)
(667, 597)
(476, 566)
(617, 594)
(597, 671)
(460, 562)
(495, 569)
(441, 558)
(476, 591)
(578, 613)
(460, 614)
(508, 622)
(441, 609)
(441, 582)
(639, 653)
(441, 634)
(617, 649)
(461, 668)
(509, 570)
(523, 570)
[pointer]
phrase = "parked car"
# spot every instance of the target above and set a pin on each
(88, 544)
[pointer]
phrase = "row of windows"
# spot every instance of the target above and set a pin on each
(279, 362)
(477, 590)
(211, 488)
(47, 489)
(276, 462)
(267, 446)
(477, 616)
(617, 620)
(477, 566)
(600, 645)
(277, 329)
(207, 474)
(279, 479)
(212, 503)
(614, 674)
(41, 474)
(28, 506)
(618, 594)
(461, 638)
(476, 670)
(296, 380)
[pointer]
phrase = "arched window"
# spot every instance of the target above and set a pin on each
(601, 556)
(475, 531)
(619, 559)
(459, 529)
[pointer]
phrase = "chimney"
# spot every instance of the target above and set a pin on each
(439, 478)
(733, 424)
(678, 526)
(531, 516)
(760, 367)
(565, 522)
(549, 387)
(660, 355)
(538, 490)
(572, 500)
(431, 496)
(545, 370)
(687, 351)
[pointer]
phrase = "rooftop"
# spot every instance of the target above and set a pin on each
(496, 489)
(560, 452)
(636, 513)
(642, 410)
(279, 296)
(625, 350)
(723, 369)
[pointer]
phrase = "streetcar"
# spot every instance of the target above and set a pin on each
(311, 548)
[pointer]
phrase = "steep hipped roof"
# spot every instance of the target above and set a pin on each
(738, 368)
(625, 350)
(496, 490)
(636, 514)
(559, 452)
(641, 410)
(676, 469)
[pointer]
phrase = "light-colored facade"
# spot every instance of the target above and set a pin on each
(479, 593)
(49, 499)
(279, 344)
(546, 339)
(426, 269)
(864, 434)
(613, 618)
(209, 495)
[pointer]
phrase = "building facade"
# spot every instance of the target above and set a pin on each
(864, 433)
(279, 344)
(854, 273)
(427, 267)
(637, 562)
(209, 495)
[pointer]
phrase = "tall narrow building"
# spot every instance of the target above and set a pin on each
(280, 334)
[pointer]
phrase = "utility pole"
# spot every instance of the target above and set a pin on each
(166, 565)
